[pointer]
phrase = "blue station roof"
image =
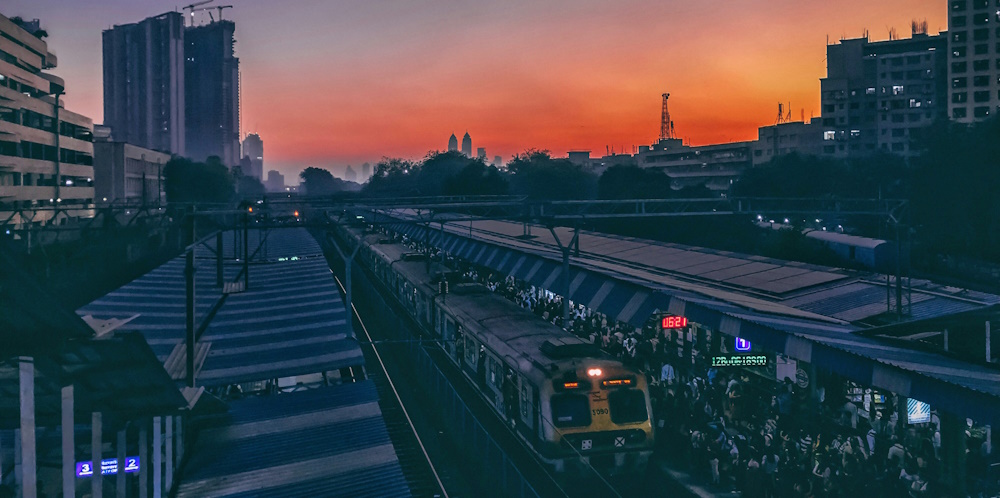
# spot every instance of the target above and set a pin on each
(290, 321)
(807, 312)
(329, 441)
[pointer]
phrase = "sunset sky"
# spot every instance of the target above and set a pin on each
(331, 83)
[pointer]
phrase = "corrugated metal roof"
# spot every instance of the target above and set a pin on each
(829, 343)
(290, 321)
(329, 441)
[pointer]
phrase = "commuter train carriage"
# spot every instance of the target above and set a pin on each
(575, 406)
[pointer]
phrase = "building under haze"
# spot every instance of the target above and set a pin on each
(253, 147)
(974, 50)
(46, 152)
(481, 153)
(350, 175)
(453, 143)
(211, 92)
(144, 83)
(877, 94)
(467, 145)
(275, 182)
(366, 171)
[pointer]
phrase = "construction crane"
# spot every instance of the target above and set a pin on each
(190, 8)
(209, 9)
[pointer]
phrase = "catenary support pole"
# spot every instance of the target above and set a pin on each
(28, 475)
(68, 444)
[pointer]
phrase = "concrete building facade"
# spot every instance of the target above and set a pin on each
(714, 167)
(973, 59)
(877, 94)
(46, 152)
(785, 138)
(211, 92)
(144, 83)
(128, 174)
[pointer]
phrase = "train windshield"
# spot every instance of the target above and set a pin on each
(627, 406)
(570, 410)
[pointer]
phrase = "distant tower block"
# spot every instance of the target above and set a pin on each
(453, 143)
(666, 125)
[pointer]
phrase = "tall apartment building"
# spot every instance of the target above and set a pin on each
(144, 83)
(876, 94)
(211, 88)
(46, 152)
(974, 59)
(253, 147)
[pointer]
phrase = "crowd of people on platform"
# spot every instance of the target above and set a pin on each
(742, 432)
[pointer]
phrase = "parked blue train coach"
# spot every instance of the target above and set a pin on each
(873, 254)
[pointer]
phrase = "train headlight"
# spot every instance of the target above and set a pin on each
(594, 372)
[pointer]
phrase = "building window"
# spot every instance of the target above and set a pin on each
(982, 48)
(980, 19)
(959, 67)
(981, 65)
(959, 82)
(957, 5)
(871, 90)
(958, 52)
(983, 96)
(897, 118)
(913, 117)
(981, 34)
(897, 89)
(959, 36)
(898, 132)
(958, 113)
(829, 135)
(982, 80)
(958, 21)
(959, 97)
(981, 112)
(980, 4)
(915, 103)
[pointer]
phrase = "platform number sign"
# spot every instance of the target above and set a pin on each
(108, 466)
(742, 344)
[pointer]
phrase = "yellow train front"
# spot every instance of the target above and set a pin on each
(600, 417)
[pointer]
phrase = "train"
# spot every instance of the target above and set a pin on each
(576, 408)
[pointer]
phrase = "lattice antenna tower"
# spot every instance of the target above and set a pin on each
(781, 114)
(666, 125)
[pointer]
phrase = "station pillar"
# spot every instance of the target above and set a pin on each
(953, 446)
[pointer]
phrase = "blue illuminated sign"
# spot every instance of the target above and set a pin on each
(917, 412)
(742, 344)
(108, 466)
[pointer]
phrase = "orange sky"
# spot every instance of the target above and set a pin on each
(336, 83)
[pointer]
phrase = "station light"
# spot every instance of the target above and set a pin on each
(296, 214)
(594, 372)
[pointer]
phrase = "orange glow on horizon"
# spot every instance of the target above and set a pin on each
(331, 84)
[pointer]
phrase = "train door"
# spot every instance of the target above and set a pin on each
(525, 407)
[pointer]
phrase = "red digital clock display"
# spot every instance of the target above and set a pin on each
(674, 322)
